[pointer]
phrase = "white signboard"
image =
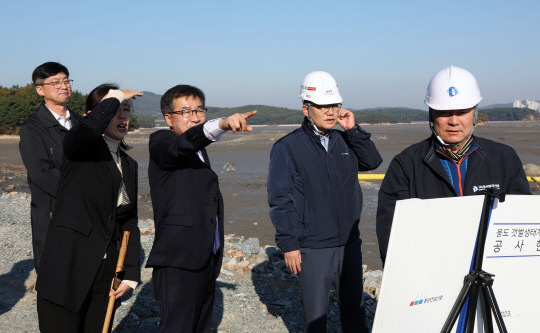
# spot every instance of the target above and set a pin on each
(430, 252)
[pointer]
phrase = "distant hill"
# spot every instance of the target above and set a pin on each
(390, 115)
(494, 106)
(271, 115)
(148, 105)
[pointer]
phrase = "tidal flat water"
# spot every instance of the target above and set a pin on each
(244, 191)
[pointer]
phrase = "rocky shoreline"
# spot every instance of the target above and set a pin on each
(255, 291)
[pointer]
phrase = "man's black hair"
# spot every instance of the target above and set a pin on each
(46, 70)
(180, 90)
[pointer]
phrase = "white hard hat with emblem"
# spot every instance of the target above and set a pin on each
(453, 88)
(320, 88)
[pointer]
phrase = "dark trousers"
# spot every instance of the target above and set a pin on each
(338, 266)
(91, 316)
(186, 298)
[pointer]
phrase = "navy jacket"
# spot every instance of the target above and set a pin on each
(314, 195)
(186, 200)
(417, 172)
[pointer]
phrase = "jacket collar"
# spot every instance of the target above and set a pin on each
(316, 138)
(45, 116)
(477, 157)
(47, 119)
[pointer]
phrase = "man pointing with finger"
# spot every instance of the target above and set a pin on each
(315, 203)
(188, 210)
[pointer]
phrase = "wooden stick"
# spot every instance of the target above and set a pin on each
(119, 266)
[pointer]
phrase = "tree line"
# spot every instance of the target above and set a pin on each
(276, 115)
(511, 114)
(17, 104)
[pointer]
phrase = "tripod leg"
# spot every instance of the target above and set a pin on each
(486, 313)
(490, 298)
(473, 302)
(458, 305)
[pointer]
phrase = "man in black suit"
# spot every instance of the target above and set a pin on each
(41, 146)
(188, 210)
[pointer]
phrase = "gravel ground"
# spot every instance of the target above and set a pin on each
(255, 292)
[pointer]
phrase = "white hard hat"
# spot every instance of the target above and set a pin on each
(320, 88)
(453, 88)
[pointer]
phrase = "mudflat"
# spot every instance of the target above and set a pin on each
(244, 190)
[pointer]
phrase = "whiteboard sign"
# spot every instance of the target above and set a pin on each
(430, 252)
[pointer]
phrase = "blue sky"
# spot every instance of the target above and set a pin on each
(382, 53)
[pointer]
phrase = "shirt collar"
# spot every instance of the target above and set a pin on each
(58, 117)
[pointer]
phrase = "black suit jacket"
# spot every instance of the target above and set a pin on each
(41, 151)
(86, 220)
(186, 200)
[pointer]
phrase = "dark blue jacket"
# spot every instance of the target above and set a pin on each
(417, 172)
(314, 195)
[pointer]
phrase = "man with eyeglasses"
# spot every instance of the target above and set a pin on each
(41, 146)
(188, 210)
(315, 203)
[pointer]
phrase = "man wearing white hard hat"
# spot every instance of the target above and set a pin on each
(315, 203)
(452, 162)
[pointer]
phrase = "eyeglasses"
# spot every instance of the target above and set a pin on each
(335, 108)
(57, 84)
(188, 113)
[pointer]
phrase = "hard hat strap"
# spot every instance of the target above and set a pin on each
(312, 125)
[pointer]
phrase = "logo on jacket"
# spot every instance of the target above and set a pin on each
(485, 187)
(452, 91)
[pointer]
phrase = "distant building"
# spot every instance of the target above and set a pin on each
(533, 105)
(518, 104)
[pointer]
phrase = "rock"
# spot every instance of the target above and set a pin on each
(270, 251)
(10, 187)
(153, 320)
(227, 272)
(142, 312)
(242, 264)
(231, 264)
(372, 282)
(260, 258)
(532, 170)
(234, 253)
(251, 246)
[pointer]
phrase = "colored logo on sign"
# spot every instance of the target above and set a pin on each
(452, 91)
(426, 300)
(312, 88)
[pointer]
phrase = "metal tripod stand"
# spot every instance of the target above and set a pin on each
(479, 283)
